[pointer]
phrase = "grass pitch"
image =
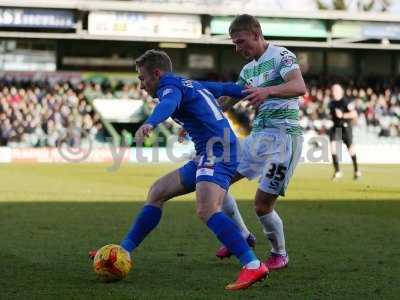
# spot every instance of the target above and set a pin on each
(343, 237)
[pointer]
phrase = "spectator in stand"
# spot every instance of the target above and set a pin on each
(37, 114)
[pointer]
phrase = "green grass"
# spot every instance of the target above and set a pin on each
(343, 237)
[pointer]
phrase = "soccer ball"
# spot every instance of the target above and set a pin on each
(112, 263)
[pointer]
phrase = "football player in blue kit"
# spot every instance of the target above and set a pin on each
(194, 107)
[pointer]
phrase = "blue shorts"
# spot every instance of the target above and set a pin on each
(204, 169)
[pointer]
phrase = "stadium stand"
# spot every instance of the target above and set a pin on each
(44, 113)
(41, 114)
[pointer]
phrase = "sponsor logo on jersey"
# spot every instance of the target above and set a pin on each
(204, 172)
(269, 75)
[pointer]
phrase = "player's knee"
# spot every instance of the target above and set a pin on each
(265, 205)
(351, 149)
(262, 209)
(156, 195)
(204, 212)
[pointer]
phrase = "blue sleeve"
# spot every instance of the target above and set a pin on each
(169, 102)
(219, 89)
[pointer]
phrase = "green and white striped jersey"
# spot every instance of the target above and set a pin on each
(269, 70)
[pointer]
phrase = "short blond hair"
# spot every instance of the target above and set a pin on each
(245, 22)
(154, 59)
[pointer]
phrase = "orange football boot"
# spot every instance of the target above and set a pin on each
(247, 277)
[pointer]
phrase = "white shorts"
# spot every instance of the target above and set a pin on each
(271, 155)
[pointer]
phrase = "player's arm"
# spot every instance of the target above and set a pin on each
(293, 86)
(228, 93)
(219, 89)
(169, 102)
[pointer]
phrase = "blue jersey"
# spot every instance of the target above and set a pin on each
(194, 107)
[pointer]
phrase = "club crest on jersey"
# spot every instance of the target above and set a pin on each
(287, 61)
(166, 92)
(251, 82)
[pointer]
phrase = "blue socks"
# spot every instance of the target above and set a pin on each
(145, 222)
(222, 226)
(229, 234)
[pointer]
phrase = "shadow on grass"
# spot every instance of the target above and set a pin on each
(332, 246)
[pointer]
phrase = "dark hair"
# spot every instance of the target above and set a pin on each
(245, 22)
(154, 59)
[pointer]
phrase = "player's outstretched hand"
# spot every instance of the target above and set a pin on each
(143, 131)
(256, 95)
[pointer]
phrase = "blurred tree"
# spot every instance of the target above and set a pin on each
(340, 4)
(362, 5)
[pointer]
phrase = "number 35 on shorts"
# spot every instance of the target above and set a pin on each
(276, 174)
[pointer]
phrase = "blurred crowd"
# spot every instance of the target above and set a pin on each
(377, 105)
(43, 113)
(40, 114)
(106, 89)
